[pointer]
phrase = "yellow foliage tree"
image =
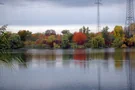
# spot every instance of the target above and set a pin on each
(118, 31)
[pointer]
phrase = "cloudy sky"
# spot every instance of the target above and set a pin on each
(39, 15)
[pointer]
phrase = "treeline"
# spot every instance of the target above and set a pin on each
(118, 38)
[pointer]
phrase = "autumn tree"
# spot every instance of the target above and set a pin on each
(24, 35)
(117, 43)
(35, 36)
(79, 38)
(91, 35)
(58, 39)
(131, 41)
(119, 35)
(51, 39)
(118, 32)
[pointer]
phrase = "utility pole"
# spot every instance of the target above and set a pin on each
(129, 16)
(98, 2)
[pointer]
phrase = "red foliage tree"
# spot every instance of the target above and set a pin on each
(79, 38)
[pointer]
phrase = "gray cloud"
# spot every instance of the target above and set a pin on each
(14, 2)
(63, 3)
(68, 3)
(83, 13)
(1, 3)
(79, 3)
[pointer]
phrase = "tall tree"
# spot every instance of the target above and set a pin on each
(85, 30)
(119, 35)
(107, 36)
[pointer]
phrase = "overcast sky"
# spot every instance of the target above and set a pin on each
(54, 13)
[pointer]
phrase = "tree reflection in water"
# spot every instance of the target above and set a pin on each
(118, 58)
(80, 57)
(67, 56)
(9, 58)
(80, 54)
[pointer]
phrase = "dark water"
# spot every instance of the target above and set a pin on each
(89, 69)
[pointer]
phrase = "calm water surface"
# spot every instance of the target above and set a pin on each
(79, 69)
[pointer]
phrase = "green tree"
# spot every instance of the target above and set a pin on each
(105, 32)
(97, 42)
(15, 41)
(85, 30)
(4, 42)
(3, 28)
(65, 41)
(89, 39)
(107, 36)
(51, 39)
(65, 31)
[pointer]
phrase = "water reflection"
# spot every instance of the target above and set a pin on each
(116, 57)
(91, 69)
(79, 54)
(9, 57)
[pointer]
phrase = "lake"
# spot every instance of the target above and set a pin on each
(78, 69)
